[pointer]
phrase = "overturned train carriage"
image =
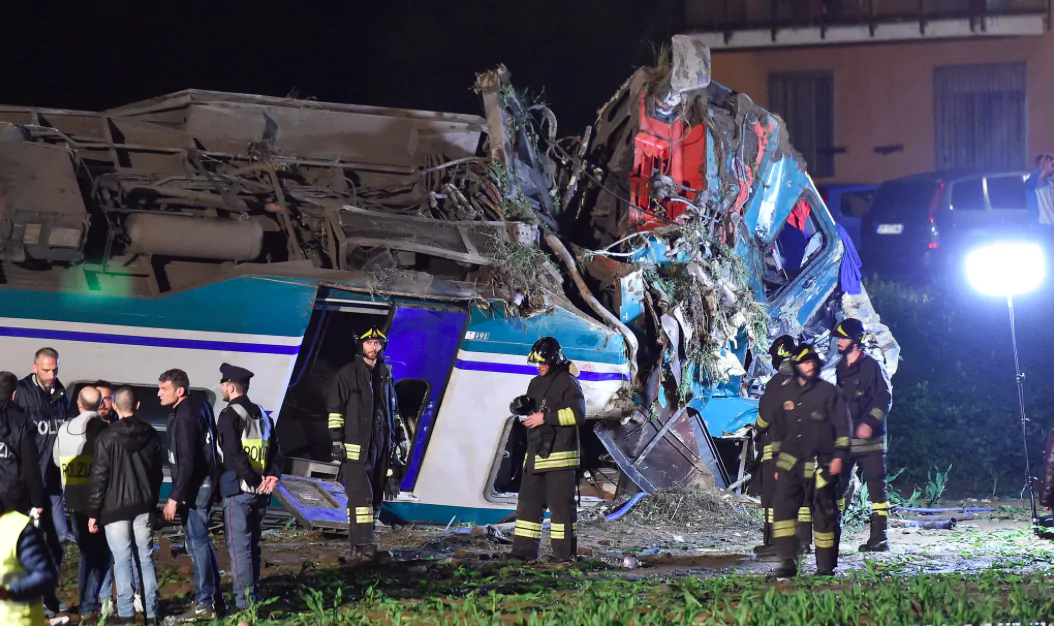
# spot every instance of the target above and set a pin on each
(664, 246)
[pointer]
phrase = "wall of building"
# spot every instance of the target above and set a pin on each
(884, 95)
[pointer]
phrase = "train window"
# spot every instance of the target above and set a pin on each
(150, 409)
(798, 243)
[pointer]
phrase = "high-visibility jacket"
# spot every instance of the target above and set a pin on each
(30, 613)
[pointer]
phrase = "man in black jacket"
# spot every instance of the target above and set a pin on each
(553, 455)
(782, 352)
(362, 408)
(126, 481)
(192, 458)
(21, 487)
(252, 465)
(813, 431)
(44, 400)
(869, 395)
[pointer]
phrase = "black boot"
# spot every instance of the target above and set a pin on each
(766, 549)
(787, 569)
(877, 542)
(803, 536)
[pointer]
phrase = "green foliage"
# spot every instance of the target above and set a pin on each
(954, 396)
(936, 483)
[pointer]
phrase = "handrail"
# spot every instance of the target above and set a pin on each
(778, 14)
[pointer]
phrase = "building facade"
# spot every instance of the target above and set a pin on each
(878, 89)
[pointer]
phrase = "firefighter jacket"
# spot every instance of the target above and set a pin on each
(554, 445)
(770, 405)
(813, 426)
(248, 447)
(46, 411)
(869, 397)
(362, 407)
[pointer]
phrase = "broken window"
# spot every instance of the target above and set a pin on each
(805, 101)
(797, 244)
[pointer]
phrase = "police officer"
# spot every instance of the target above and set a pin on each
(813, 431)
(44, 400)
(251, 464)
(362, 408)
(21, 488)
(553, 454)
(869, 396)
(782, 352)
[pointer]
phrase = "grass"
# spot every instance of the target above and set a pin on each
(873, 597)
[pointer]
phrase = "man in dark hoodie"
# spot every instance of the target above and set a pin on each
(192, 457)
(126, 481)
(553, 455)
(44, 400)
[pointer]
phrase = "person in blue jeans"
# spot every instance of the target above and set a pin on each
(251, 464)
(125, 485)
(192, 458)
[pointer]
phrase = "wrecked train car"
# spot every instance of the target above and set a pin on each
(665, 246)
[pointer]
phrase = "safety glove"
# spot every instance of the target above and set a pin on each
(338, 452)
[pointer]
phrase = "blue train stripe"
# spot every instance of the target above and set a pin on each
(530, 370)
(151, 342)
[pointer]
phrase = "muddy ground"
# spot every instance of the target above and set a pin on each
(676, 537)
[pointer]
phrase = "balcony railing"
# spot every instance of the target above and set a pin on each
(727, 17)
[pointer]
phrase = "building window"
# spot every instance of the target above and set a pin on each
(979, 111)
(805, 101)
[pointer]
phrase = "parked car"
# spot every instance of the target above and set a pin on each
(848, 204)
(919, 224)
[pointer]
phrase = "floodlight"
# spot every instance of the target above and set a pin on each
(1007, 269)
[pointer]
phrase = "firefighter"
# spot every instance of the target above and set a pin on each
(553, 454)
(813, 432)
(768, 407)
(866, 387)
(362, 407)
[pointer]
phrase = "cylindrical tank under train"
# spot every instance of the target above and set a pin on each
(194, 237)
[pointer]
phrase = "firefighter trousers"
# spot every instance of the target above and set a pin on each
(797, 490)
(365, 491)
(768, 496)
(554, 490)
(873, 465)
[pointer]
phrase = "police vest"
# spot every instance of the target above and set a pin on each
(256, 441)
(12, 524)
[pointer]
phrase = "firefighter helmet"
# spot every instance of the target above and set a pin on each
(783, 348)
(546, 351)
(807, 353)
(850, 328)
(373, 334)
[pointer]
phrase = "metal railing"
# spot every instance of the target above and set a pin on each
(733, 15)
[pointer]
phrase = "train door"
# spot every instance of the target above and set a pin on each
(422, 347)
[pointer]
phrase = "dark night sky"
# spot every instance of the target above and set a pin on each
(399, 53)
